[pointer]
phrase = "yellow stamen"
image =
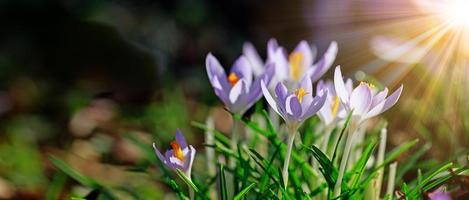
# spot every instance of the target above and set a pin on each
(177, 151)
(335, 106)
(370, 85)
(295, 59)
(299, 93)
(233, 78)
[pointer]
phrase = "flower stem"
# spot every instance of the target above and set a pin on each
(343, 163)
(291, 139)
(391, 180)
(191, 193)
(234, 141)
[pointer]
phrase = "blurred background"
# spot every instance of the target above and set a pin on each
(78, 78)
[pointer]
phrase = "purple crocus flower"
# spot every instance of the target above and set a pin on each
(364, 102)
(332, 111)
(180, 156)
(291, 68)
(295, 106)
(238, 90)
(439, 194)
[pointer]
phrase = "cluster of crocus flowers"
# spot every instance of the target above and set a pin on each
(290, 68)
(180, 156)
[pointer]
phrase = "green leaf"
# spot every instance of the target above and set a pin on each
(77, 176)
(55, 187)
(187, 180)
(223, 190)
(359, 167)
(244, 192)
(327, 169)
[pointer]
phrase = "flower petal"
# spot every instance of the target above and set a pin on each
(293, 107)
(269, 98)
(392, 99)
(180, 139)
(272, 47)
(250, 52)
(317, 103)
(360, 99)
(307, 54)
(189, 160)
(159, 154)
(219, 91)
(281, 92)
(282, 69)
(339, 86)
(378, 98)
(325, 63)
(236, 91)
(242, 68)
(214, 69)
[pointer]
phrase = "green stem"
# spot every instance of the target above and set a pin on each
(291, 139)
(343, 163)
(328, 131)
(234, 140)
(191, 193)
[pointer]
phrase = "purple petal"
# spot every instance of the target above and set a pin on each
(293, 107)
(282, 69)
(392, 99)
(255, 92)
(316, 105)
(180, 139)
(269, 98)
(253, 57)
(378, 98)
(325, 63)
(340, 86)
(159, 154)
(272, 46)
(360, 99)
(219, 91)
(242, 68)
(171, 165)
(306, 84)
(189, 160)
(236, 91)
(281, 92)
(214, 69)
(307, 55)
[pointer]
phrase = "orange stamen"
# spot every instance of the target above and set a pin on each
(177, 151)
(233, 78)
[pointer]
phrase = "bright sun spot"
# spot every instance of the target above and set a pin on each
(457, 11)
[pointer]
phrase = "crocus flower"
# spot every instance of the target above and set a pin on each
(300, 62)
(364, 102)
(333, 110)
(238, 90)
(297, 105)
(180, 156)
(439, 195)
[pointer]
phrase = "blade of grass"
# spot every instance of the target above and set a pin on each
(244, 192)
